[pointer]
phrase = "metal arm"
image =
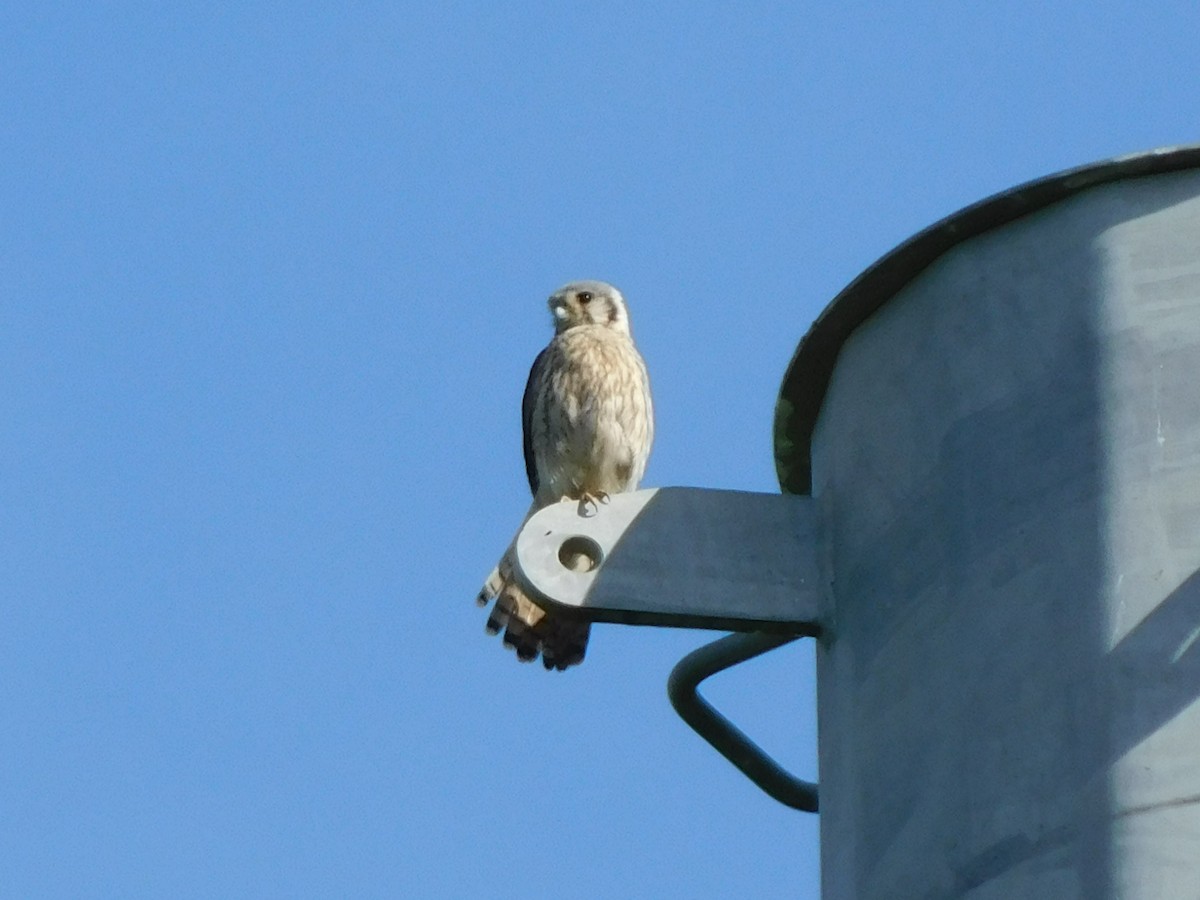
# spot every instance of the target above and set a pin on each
(679, 557)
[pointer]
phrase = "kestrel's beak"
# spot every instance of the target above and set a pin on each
(558, 308)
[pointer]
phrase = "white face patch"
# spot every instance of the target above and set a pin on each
(588, 303)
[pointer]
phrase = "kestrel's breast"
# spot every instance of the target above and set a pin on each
(592, 423)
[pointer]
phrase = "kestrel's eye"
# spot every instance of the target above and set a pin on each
(584, 296)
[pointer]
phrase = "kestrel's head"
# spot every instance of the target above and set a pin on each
(588, 303)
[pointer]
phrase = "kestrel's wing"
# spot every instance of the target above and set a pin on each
(513, 610)
(527, 627)
(528, 401)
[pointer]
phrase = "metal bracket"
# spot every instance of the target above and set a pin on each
(678, 557)
(688, 558)
(726, 737)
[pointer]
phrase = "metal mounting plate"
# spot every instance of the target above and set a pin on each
(679, 557)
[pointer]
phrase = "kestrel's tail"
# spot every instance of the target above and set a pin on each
(528, 628)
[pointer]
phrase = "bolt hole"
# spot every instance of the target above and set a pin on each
(580, 554)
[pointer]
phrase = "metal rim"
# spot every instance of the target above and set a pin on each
(808, 374)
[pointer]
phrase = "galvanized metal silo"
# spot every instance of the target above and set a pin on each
(999, 424)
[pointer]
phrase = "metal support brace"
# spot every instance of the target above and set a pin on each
(688, 558)
(729, 740)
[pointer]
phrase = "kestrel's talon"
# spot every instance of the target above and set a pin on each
(589, 503)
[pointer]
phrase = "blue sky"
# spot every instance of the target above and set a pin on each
(271, 279)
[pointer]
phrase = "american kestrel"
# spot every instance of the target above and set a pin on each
(588, 426)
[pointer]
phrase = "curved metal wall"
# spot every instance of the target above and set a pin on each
(1006, 464)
